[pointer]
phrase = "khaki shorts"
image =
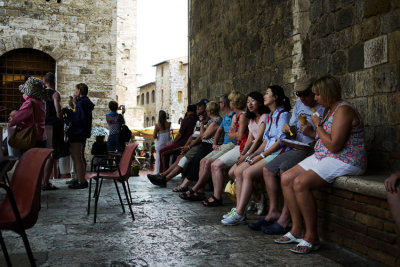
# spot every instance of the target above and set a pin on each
(230, 157)
(188, 156)
(215, 154)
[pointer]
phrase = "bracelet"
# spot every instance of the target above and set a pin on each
(262, 155)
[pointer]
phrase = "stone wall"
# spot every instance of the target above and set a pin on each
(149, 107)
(247, 44)
(79, 35)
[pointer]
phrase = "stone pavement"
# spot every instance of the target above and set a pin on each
(167, 232)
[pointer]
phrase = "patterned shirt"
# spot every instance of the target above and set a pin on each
(353, 152)
(210, 140)
(114, 121)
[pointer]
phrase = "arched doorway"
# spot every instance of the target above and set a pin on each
(15, 67)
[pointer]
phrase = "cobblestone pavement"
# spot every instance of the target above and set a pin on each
(167, 232)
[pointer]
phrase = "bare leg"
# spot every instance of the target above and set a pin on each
(302, 186)
(237, 172)
(76, 154)
(48, 169)
(272, 187)
(167, 171)
(204, 175)
(248, 175)
(174, 172)
(217, 168)
(287, 179)
(394, 200)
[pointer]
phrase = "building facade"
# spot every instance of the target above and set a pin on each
(171, 88)
(78, 41)
(147, 99)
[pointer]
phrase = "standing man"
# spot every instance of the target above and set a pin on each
(55, 133)
(79, 131)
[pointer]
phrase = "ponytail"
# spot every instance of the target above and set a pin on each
(286, 104)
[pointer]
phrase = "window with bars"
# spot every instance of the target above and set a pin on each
(15, 67)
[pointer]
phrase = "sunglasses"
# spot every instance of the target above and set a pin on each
(304, 93)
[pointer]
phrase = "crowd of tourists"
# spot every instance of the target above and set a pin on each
(259, 140)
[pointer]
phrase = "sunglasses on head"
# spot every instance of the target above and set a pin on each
(304, 93)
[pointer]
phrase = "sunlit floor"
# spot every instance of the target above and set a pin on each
(167, 231)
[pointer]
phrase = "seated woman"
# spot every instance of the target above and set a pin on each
(257, 115)
(207, 136)
(339, 151)
(237, 131)
(245, 173)
(300, 125)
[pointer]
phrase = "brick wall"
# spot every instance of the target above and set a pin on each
(361, 223)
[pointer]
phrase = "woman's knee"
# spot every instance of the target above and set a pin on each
(215, 166)
(286, 180)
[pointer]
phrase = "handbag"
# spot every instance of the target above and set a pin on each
(26, 138)
(230, 190)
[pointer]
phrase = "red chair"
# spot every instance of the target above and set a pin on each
(20, 208)
(121, 174)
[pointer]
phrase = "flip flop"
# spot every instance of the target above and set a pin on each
(193, 196)
(274, 229)
(309, 247)
(288, 235)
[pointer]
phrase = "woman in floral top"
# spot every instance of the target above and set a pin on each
(339, 151)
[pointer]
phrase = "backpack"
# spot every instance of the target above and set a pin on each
(125, 134)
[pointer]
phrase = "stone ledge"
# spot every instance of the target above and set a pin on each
(370, 184)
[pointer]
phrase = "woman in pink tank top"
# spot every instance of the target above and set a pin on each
(339, 150)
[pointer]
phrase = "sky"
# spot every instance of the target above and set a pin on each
(162, 30)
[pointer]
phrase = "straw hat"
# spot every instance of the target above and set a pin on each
(33, 87)
(303, 83)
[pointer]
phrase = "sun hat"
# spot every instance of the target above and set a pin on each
(33, 87)
(304, 83)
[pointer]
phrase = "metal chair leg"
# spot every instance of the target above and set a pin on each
(5, 252)
(90, 192)
(28, 248)
(129, 190)
(96, 200)
(119, 196)
(127, 200)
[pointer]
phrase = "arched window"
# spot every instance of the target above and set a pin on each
(153, 96)
(138, 100)
(147, 122)
(147, 98)
(142, 99)
(15, 67)
(152, 121)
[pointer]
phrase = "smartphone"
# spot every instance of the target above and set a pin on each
(122, 107)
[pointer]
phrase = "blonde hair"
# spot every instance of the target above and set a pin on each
(213, 108)
(238, 99)
(328, 87)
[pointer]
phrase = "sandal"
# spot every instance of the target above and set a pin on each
(193, 196)
(215, 203)
(180, 188)
(287, 239)
(49, 187)
(304, 244)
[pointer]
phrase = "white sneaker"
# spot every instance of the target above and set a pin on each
(260, 205)
(234, 219)
(229, 213)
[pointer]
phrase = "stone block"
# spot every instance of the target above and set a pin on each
(356, 58)
(12, 13)
(347, 83)
(394, 108)
(369, 221)
(375, 7)
(364, 82)
(316, 10)
(3, 12)
(370, 28)
(344, 18)
(361, 105)
(375, 51)
(386, 78)
(378, 110)
(338, 62)
(393, 46)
